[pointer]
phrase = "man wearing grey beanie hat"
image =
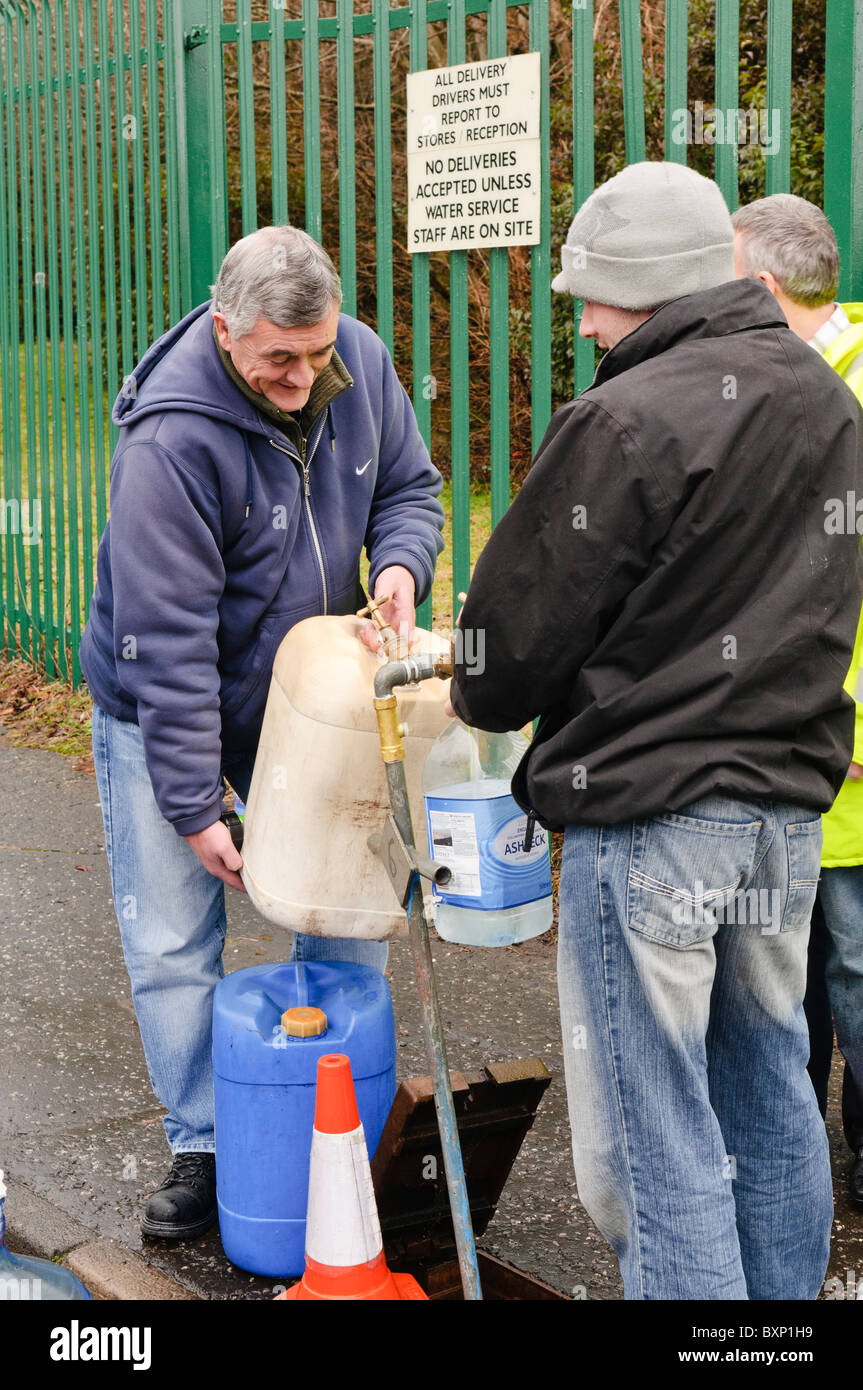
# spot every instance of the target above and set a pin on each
(663, 594)
(652, 233)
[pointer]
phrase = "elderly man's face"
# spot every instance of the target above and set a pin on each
(281, 363)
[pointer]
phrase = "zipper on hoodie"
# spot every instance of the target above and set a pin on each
(305, 465)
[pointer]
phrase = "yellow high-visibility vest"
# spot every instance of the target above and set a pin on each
(843, 823)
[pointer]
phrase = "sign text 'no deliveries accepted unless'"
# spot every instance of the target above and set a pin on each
(473, 155)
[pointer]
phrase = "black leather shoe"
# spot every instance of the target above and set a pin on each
(184, 1205)
(855, 1180)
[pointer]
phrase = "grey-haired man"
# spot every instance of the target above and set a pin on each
(788, 243)
(264, 441)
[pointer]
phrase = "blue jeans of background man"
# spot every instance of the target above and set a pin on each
(171, 913)
(699, 1148)
(834, 993)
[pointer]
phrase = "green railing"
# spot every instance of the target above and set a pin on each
(136, 139)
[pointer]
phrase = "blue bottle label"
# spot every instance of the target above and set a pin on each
(481, 839)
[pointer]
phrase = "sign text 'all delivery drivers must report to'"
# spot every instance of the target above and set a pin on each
(474, 155)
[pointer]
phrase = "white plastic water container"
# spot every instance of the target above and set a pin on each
(319, 786)
(498, 894)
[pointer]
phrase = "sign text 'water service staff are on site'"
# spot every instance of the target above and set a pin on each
(474, 155)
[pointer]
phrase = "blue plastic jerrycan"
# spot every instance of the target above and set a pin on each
(265, 1071)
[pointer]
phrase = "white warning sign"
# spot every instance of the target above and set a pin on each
(473, 155)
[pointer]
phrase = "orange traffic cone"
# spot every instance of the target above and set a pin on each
(344, 1248)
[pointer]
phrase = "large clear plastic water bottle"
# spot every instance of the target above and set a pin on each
(498, 894)
(24, 1278)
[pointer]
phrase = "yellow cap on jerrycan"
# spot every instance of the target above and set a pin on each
(319, 787)
(304, 1022)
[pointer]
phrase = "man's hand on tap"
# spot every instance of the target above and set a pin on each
(399, 611)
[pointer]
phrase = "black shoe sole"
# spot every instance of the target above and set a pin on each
(169, 1230)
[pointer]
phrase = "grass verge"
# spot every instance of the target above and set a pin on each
(36, 713)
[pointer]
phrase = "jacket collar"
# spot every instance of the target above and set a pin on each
(733, 307)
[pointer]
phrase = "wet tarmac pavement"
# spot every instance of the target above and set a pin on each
(79, 1125)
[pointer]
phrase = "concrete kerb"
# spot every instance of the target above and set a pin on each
(108, 1269)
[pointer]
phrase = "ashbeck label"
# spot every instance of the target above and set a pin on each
(508, 844)
(482, 840)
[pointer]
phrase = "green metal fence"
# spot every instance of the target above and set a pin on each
(136, 139)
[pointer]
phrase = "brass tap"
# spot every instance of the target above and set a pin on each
(393, 645)
(390, 731)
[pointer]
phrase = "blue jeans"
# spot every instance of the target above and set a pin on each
(171, 913)
(835, 993)
(699, 1149)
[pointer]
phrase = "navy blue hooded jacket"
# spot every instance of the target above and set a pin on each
(215, 547)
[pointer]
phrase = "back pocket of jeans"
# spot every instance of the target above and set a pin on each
(803, 840)
(682, 873)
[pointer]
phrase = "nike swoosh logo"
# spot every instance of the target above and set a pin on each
(359, 471)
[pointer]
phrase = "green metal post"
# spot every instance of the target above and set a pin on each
(676, 19)
(727, 93)
(633, 80)
(424, 384)
(778, 163)
(51, 86)
(583, 160)
(84, 397)
(459, 366)
(112, 362)
(43, 393)
(127, 131)
(248, 167)
(312, 119)
(843, 140)
(161, 286)
(5, 615)
(154, 181)
(498, 274)
(347, 169)
(67, 267)
(5, 605)
(383, 173)
(176, 218)
(198, 53)
(540, 257)
(173, 161)
(84, 402)
(28, 578)
(218, 139)
(96, 489)
(278, 117)
(10, 332)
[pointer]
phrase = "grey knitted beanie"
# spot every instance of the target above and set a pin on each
(650, 234)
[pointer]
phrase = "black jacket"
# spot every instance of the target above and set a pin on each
(689, 630)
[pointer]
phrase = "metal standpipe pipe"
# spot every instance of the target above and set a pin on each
(395, 673)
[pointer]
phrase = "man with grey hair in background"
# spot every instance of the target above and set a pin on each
(788, 243)
(264, 441)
